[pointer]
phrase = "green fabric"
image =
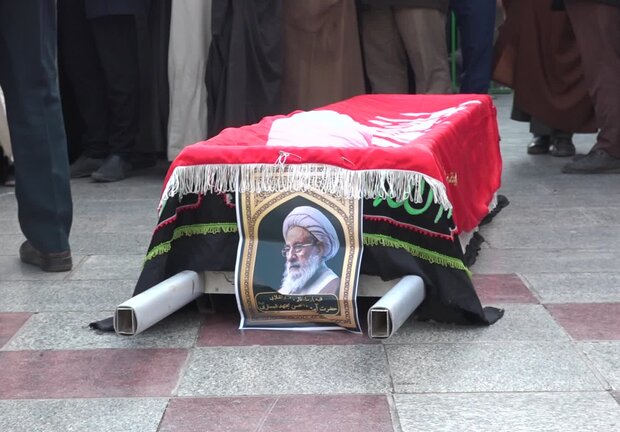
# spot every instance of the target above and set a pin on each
(369, 240)
(417, 251)
(190, 230)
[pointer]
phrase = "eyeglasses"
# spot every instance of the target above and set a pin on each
(296, 249)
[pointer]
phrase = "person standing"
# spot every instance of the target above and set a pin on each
(99, 54)
(475, 20)
(397, 31)
(29, 79)
(321, 39)
(596, 24)
(538, 57)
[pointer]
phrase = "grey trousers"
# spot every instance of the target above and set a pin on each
(391, 36)
(28, 76)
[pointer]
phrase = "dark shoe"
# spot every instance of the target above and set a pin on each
(49, 262)
(562, 147)
(84, 166)
(540, 145)
(114, 168)
(596, 162)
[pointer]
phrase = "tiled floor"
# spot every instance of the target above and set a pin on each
(552, 363)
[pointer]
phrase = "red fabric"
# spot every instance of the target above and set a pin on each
(464, 147)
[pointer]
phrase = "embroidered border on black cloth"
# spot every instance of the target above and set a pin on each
(199, 233)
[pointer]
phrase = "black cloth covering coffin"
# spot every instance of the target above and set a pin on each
(187, 238)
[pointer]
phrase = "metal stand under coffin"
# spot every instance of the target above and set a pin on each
(392, 310)
(148, 308)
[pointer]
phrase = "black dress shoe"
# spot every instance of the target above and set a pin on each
(84, 166)
(540, 145)
(49, 262)
(596, 162)
(562, 147)
(114, 168)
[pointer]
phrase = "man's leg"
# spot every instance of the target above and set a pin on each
(384, 54)
(79, 62)
(28, 76)
(117, 47)
(424, 35)
(598, 36)
(476, 22)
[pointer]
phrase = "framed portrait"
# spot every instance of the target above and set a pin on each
(298, 260)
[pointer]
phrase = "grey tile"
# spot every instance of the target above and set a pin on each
(111, 243)
(260, 370)
(10, 242)
(484, 367)
(531, 412)
(69, 330)
(519, 213)
(129, 189)
(502, 261)
(92, 415)
(575, 288)
(109, 267)
(137, 215)
(68, 295)
(605, 357)
(520, 323)
(559, 236)
(12, 269)
(605, 216)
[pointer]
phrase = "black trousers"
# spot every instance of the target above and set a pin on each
(29, 79)
(99, 59)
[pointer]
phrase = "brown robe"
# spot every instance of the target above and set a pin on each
(537, 56)
(322, 53)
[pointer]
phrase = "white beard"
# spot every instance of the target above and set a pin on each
(292, 282)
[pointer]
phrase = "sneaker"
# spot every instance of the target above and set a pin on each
(596, 162)
(84, 166)
(49, 262)
(115, 168)
(540, 145)
(562, 147)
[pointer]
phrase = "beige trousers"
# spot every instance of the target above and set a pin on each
(393, 35)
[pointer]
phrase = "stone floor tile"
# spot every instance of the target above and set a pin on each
(605, 356)
(109, 267)
(520, 323)
(222, 414)
(341, 413)
(495, 260)
(616, 396)
(286, 370)
(552, 237)
(10, 242)
(548, 412)
(486, 367)
(111, 243)
(222, 329)
(70, 330)
(575, 288)
(9, 324)
(89, 373)
(337, 413)
(12, 269)
(502, 288)
(588, 321)
(63, 296)
(92, 415)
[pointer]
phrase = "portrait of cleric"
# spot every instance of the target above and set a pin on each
(310, 240)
